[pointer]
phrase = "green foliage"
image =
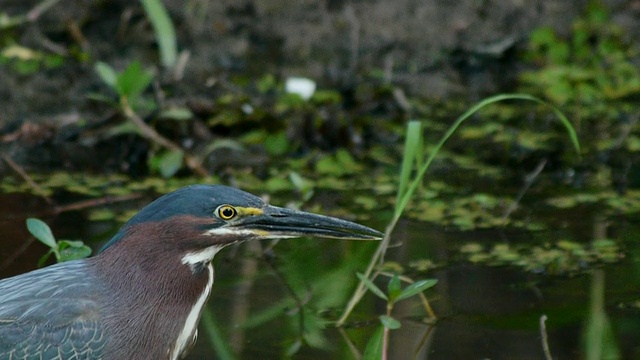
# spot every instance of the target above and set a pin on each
(167, 163)
(216, 336)
(373, 351)
(372, 287)
(277, 144)
(394, 294)
(129, 84)
(133, 81)
(26, 61)
(64, 250)
(413, 172)
(389, 322)
(164, 30)
(339, 164)
(561, 257)
(590, 69)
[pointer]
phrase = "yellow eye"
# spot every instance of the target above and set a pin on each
(226, 212)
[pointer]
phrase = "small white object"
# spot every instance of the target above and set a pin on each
(301, 86)
(247, 109)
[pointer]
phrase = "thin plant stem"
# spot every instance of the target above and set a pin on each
(545, 338)
(385, 334)
(150, 133)
(406, 195)
(23, 174)
(528, 181)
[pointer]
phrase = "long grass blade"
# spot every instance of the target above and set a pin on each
(411, 148)
(405, 195)
(164, 30)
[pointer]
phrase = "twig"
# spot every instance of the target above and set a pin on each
(8, 260)
(93, 203)
(40, 9)
(544, 337)
(528, 181)
(23, 174)
(151, 134)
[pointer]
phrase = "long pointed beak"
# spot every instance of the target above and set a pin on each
(277, 222)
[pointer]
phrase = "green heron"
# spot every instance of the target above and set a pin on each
(142, 296)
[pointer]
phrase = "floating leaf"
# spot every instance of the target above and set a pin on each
(101, 215)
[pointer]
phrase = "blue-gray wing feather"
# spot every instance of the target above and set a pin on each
(51, 313)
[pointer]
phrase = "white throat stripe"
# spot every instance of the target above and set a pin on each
(190, 328)
(202, 256)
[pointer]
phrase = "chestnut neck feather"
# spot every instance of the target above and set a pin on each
(144, 276)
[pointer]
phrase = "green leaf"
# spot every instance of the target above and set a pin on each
(222, 144)
(389, 322)
(44, 258)
(276, 144)
(73, 250)
(373, 351)
(42, 232)
(176, 114)
(412, 140)
(106, 74)
(394, 288)
(294, 348)
(416, 288)
(167, 163)
(133, 81)
(164, 30)
(371, 286)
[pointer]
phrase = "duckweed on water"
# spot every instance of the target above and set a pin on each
(562, 257)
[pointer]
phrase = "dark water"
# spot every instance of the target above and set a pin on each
(484, 312)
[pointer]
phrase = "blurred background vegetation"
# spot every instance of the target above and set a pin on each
(309, 102)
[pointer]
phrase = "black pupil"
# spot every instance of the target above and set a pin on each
(227, 212)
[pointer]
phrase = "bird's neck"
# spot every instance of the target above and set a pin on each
(164, 293)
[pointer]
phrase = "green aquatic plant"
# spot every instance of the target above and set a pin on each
(63, 250)
(414, 168)
(378, 345)
(412, 172)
